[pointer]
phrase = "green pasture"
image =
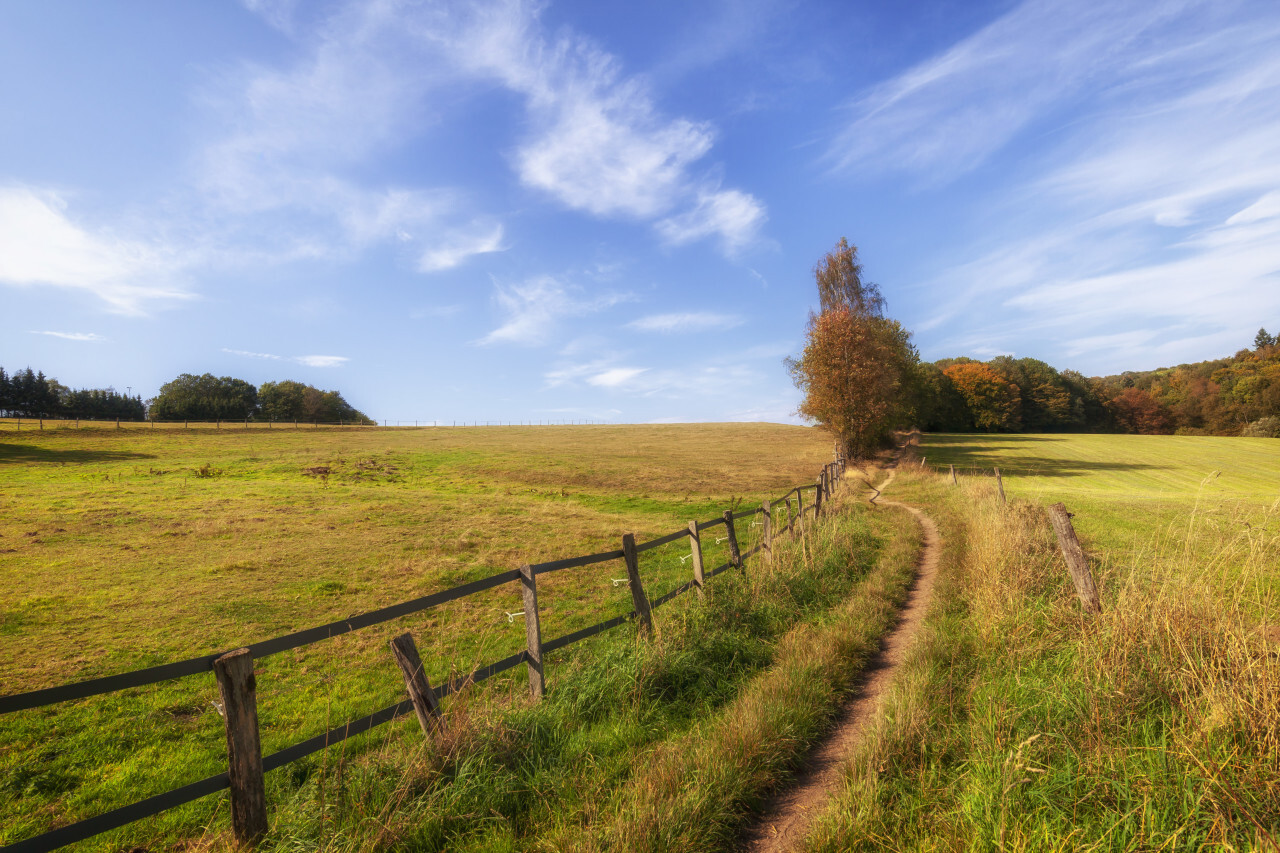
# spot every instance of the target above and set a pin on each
(1129, 493)
(139, 546)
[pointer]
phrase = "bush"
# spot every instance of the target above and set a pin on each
(1268, 427)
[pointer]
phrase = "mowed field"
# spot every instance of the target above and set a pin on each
(130, 548)
(1133, 494)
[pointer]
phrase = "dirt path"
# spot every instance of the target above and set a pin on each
(787, 816)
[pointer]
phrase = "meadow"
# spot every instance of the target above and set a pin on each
(1022, 722)
(135, 547)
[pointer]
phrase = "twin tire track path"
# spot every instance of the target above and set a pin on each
(789, 813)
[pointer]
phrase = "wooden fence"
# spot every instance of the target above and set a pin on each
(28, 424)
(234, 670)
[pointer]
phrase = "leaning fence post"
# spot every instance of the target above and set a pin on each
(1077, 565)
(695, 551)
(954, 481)
(791, 523)
(1000, 486)
(238, 686)
(415, 681)
(638, 598)
(767, 539)
(800, 506)
(735, 556)
(532, 632)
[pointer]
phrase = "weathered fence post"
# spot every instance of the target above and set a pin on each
(415, 681)
(735, 556)
(954, 481)
(695, 551)
(238, 686)
(800, 507)
(1000, 486)
(532, 632)
(791, 523)
(1077, 564)
(817, 500)
(638, 598)
(766, 541)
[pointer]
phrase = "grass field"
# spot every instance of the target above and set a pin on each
(129, 548)
(1126, 490)
(1020, 722)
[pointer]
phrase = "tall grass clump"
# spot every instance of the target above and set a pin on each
(1021, 722)
(752, 673)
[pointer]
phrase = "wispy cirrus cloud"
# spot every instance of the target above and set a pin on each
(693, 321)
(948, 114)
(1148, 226)
(598, 142)
(534, 309)
(73, 336)
(368, 81)
(41, 245)
(306, 360)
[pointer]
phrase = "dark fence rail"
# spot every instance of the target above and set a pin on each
(247, 808)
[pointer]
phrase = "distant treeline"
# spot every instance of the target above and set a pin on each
(1239, 395)
(31, 394)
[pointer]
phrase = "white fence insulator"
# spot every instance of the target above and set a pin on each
(511, 617)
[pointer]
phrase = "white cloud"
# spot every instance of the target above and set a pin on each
(322, 360)
(73, 336)
(688, 322)
(534, 308)
(307, 360)
(950, 113)
(615, 377)
(375, 76)
(599, 143)
(736, 217)
(247, 354)
(41, 245)
(1152, 226)
(459, 246)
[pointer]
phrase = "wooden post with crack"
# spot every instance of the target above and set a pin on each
(1077, 564)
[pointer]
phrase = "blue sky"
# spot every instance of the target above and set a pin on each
(522, 211)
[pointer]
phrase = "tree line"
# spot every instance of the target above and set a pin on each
(31, 394)
(862, 378)
(208, 397)
(1239, 395)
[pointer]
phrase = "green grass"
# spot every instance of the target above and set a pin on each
(1124, 489)
(1019, 722)
(135, 547)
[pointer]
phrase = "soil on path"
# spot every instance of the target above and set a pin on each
(788, 814)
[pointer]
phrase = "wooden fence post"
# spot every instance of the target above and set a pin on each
(735, 556)
(767, 539)
(415, 681)
(238, 686)
(791, 523)
(695, 551)
(638, 598)
(1077, 565)
(954, 481)
(532, 632)
(800, 507)
(1000, 486)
